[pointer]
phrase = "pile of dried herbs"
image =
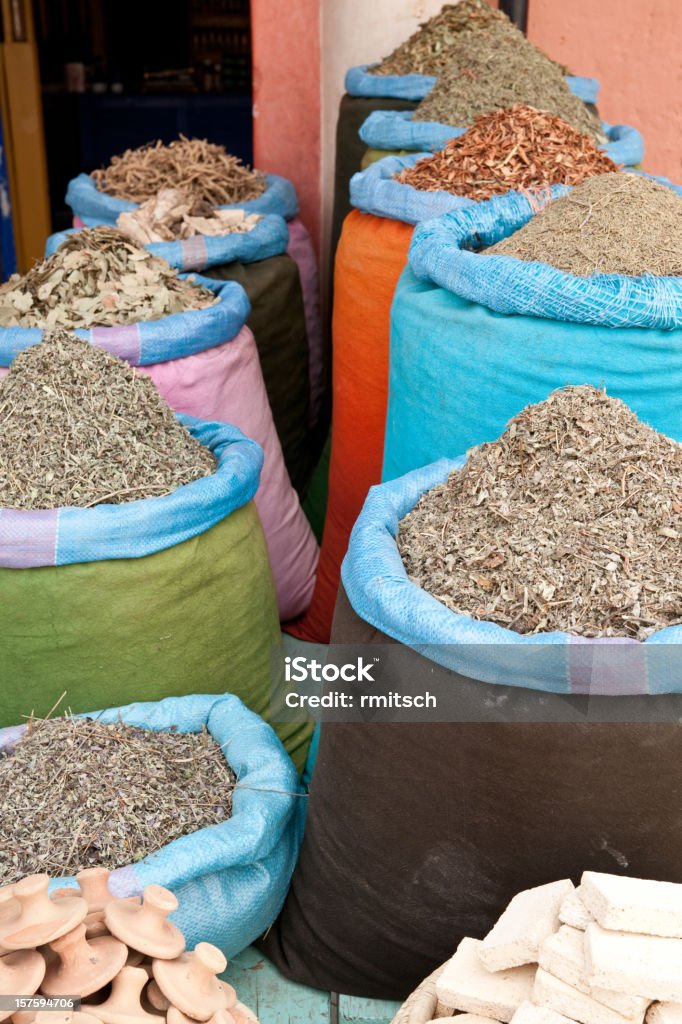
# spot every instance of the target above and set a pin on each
(79, 427)
(203, 168)
(98, 277)
(520, 148)
(426, 51)
(174, 213)
(613, 224)
(496, 68)
(77, 793)
(571, 520)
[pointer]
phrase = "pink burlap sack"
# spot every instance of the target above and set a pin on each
(225, 383)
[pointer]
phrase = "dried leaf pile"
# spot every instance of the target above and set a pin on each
(98, 277)
(571, 521)
(203, 168)
(520, 148)
(494, 69)
(174, 213)
(426, 51)
(79, 427)
(612, 224)
(77, 793)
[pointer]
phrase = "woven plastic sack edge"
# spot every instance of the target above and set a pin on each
(359, 82)
(86, 201)
(30, 539)
(380, 591)
(441, 252)
(269, 237)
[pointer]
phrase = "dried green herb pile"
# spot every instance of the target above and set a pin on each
(98, 277)
(77, 793)
(571, 521)
(612, 224)
(497, 68)
(174, 213)
(521, 148)
(79, 427)
(203, 168)
(426, 51)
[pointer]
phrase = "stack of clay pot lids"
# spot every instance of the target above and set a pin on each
(122, 957)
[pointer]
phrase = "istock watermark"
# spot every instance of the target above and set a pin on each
(304, 670)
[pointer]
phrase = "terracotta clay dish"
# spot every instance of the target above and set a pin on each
(83, 967)
(156, 997)
(246, 1010)
(40, 919)
(94, 885)
(64, 1017)
(124, 1005)
(190, 981)
(146, 927)
(20, 974)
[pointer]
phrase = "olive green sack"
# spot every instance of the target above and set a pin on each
(199, 617)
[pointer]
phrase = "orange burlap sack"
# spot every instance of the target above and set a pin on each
(371, 255)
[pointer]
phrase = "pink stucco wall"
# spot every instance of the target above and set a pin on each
(633, 47)
(286, 97)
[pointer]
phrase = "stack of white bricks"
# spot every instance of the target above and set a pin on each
(609, 952)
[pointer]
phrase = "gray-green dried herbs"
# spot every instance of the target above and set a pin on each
(77, 793)
(98, 277)
(426, 51)
(571, 521)
(617, 223)
(203, 168)
(496, 68)
(79, 427)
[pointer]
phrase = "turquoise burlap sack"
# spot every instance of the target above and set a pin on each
(396, 130)
(361, 82)
(230, 879)
(380, 592)
(476, 338)
(269, 237)
(95, 207)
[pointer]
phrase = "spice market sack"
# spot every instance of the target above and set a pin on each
(257, 261)
(387, 132)
(161, 596)
(388, 881)
(371, 255)
(231, 878)
(91, 207)
(479, 336)
(205, 364)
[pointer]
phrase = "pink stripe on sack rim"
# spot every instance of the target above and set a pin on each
(28, 539)
(124, 882)
(123, 341)
(607, 667)
(194, 253)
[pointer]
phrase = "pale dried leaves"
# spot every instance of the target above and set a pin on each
(571, 520)
(79, 427)
(98, 277)
(613, 224)
(520, 148)
(174, 214)
(77, 793)
(426, 51)
(495, 68)
(203, 168)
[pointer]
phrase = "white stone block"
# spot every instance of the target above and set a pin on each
(573, 911)
(529, 1013)
(633, 904)
(563, 955)
(664, 1013)
(466, 985)
(556, 995)
(528, 920)
(638, 965)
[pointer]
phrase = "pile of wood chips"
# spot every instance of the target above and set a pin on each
(520, 149)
